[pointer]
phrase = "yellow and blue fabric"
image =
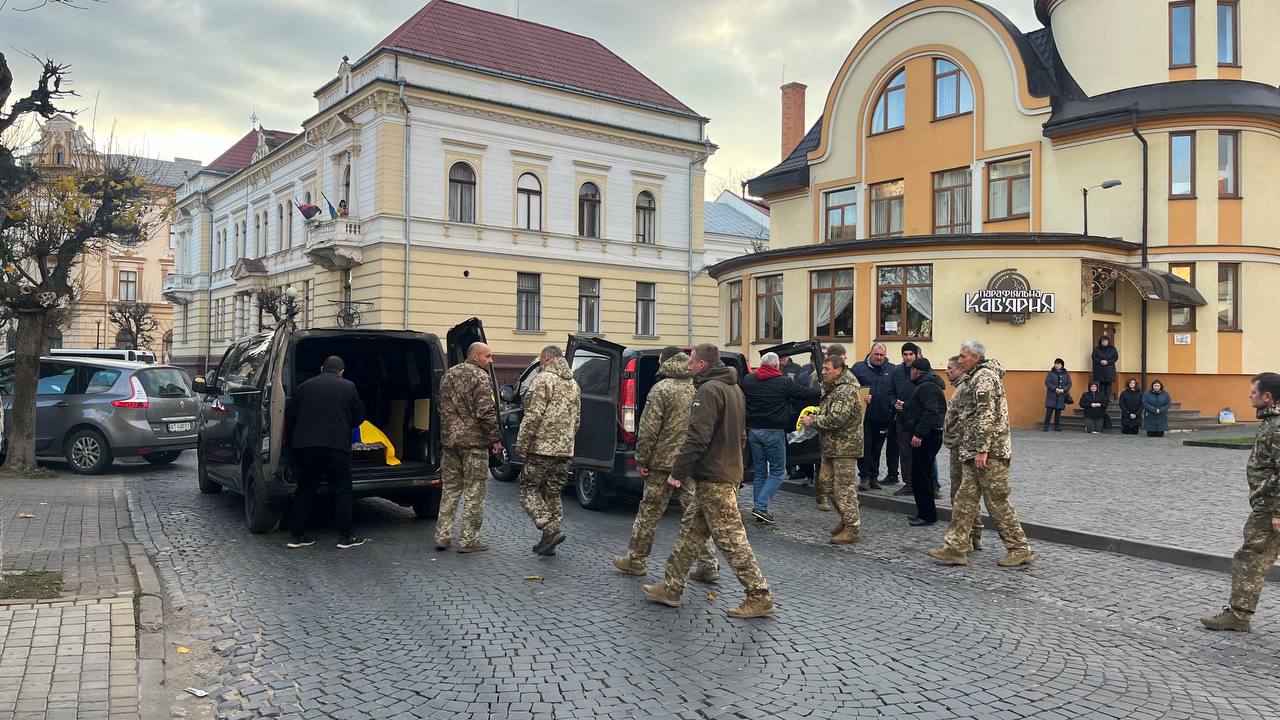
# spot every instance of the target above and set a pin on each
(368, 434)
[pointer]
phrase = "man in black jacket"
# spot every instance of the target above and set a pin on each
(922, 417)
(320, 418)
(773, 403)
(898, 447)
(873, 375)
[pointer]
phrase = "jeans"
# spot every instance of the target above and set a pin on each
(769, 456)
(313, 465)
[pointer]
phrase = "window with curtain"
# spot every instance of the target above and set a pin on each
(1182, 34)
(528, 301)
(1228, 33)
(646, 218)
(906, 302)
(886, 209)
(589, 210)
(842, 214)
(735, 311)
(646, 309)
(952, 91)
(128, 286)
(462, 193)
(529, 202)
(588, 305)
(1182, 318)
(1228, 297)
(1009, 189)
(1228, 164)
(831, 304)
(769, 308)
(1182, 165)
(891, 108)
(952, 201)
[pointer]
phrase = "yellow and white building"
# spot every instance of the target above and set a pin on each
(942, 195)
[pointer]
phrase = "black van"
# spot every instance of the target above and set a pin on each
(397, 373)
(615, 382)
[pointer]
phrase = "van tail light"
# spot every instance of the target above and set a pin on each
(136, 400)
(627, 403)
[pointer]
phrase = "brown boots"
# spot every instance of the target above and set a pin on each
(846, 536)
(757, 605)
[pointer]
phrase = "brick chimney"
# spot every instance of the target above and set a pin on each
(792, 116)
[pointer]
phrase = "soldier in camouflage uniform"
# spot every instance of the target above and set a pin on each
(469, 429)
(839, 423)
(547, 432)
(1262, 529)
(986, 447)
(951, 438)
(663, 426)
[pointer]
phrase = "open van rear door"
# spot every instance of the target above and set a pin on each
(275, 396)
(792, 349)
(458, 340)
(809, 451)
(597, 368)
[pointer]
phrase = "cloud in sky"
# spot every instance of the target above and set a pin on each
(180, 78)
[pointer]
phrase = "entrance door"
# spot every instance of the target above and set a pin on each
(1110, 328)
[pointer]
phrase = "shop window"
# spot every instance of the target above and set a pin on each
(906, 302)
(589, 211)
(891, 108)
(842, 215)
(1009, 189)
(529, 202)
(646, 218)
(1182, 165)
(462, 193)
(1182, 318)
(831, 304)
(886, 209)
(1182, 34)
(1228, 33)
(1228, 164)
(952, 91)
(769, 308)
(952, 201)
(1228, 297)
(528, 302)
(646, 309)
(735, 312)
(588, 305)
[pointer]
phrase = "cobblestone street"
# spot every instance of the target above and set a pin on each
(396, 630)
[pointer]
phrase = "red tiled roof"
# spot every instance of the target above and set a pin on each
(483, 39)
(239, 156)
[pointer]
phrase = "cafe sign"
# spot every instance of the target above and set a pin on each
(1009, 296)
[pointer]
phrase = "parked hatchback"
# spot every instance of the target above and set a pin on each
(91, 411)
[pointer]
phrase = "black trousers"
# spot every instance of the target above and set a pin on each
(874, 434)
(1053, 413)
(894, 452)
(905, 451)
(313, 466)
(924, 475)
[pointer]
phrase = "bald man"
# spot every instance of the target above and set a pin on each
(469, 425)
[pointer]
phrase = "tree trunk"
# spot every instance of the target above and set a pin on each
(26, 370)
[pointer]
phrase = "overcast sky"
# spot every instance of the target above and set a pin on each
(180, 78)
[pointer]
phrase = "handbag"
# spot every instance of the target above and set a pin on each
(1068, 399)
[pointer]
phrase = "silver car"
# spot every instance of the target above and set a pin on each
(91, 411)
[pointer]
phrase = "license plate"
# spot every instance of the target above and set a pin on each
(181, 427)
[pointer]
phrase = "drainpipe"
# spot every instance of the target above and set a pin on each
(203, 206)
(689, 255)
(405, 106)
(1146, 172)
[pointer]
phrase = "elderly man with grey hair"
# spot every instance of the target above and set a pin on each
(774, 401)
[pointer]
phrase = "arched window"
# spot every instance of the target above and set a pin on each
(166, 346)
(462, 193)
(346, 184)
(124, 340)
(646, 214)
(529, 202)
(589, 210)
(952, 92)
(288, 242)
(891, 108)
(279, 226)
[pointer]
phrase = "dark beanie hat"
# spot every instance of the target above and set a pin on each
(1060, 361)
(921, 364)
(911, 346)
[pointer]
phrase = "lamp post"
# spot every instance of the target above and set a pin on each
(97, 337)
(290, 302)
(1084, 192)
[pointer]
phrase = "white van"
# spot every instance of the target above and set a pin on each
(142, 356)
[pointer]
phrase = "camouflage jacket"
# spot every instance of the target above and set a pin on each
(839, 417)
(468, 417)
(983, 413)
(950, 424)
(1264, 464)
(665, 419)
(551, 409)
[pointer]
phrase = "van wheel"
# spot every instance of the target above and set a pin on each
(88, 452)
(260, 515)
(163, 457)
(427, 508)
(501, 467)
(587, 487)
(208, 485)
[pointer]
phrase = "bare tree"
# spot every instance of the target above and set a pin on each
(271, 301)
(734, 180)
(135, 320)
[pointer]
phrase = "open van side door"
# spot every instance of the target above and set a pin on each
(274, 397)
(459, 338)
(597, 368)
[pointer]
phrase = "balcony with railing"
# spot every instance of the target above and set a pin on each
(180, 287)
(335, 245)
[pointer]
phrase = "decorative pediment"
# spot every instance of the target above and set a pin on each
(246, 268)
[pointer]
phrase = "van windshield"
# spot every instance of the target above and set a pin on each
(165, 383)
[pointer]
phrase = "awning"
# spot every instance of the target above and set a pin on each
(1150, 284)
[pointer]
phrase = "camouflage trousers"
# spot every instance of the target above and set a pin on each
(714, 514)
(839, 476)
(957, 472)
(541, 486)
(657, 495)
(1252, 561)
(463, 472)
(991, 485)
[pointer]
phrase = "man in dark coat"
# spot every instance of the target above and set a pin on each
(899, 450)
(773, 403)
(323, 412)
(873, 375)
(923, 417)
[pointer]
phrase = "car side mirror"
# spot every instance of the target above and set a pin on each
(507, 394)
(199, 385)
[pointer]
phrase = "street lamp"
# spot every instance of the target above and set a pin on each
(290, 301)
(1085, 193)
(97, 336)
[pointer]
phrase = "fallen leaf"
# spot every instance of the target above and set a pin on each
(183, 650)
(26, 515)
(44, 503)
(533, 578)
(711, 595)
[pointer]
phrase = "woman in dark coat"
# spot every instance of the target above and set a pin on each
(1094, 403)
(1104, 364)
(1057, 385)
(1155, 404)
(1131, 408)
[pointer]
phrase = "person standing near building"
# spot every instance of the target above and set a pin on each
(1261, 545)
(899, 440)
(469, 430)
(839, 424)
(923, 416)
(663, 426)
(986, 446)
(873, 374)
(712, 457)
(1094, 403)
(1105, 358)
(771, 411)
(1057, 390)
(1155, 410)
(1131, 408)
(320, 417)
(547, 433)
(951, 438)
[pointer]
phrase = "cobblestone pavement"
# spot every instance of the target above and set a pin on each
(396, 630)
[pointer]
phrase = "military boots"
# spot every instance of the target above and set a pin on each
(1229, 619)
(847, 536)
(627, 565)
(756, 605)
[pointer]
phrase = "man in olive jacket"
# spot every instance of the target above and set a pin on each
(469, 429)
(839, 422)
(712, 457)
(663, 426)
(552, 407)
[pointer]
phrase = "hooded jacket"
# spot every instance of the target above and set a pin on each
(925, 412)
(1088, 399)
(712, 450)
(840, 418)
(468, 418)
(665, 418)
(950, 426)
(879, 380)
(775, 402)
(1264, 464)
(551, 413)
(983, 413)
